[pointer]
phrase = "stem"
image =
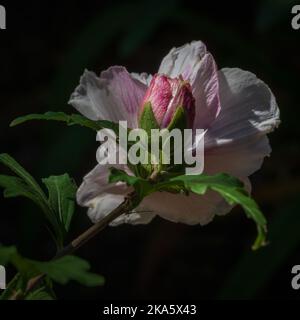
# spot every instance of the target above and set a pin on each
(153, 177)
(125, 207)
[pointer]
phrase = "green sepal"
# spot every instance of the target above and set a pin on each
(179, 120)
(147, 119)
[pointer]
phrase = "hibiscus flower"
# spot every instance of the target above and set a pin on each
(236, 109)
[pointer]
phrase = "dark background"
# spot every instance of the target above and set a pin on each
(44, 51)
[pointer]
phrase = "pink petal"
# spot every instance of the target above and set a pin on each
(159, 94)
(114, 96)
(143, 77)
(192, 209)
(236, 142)
(183, 60)
(96, 183)
(205, 86)
(106, 202)
(196, 65)
(239, 160)
(102, 197)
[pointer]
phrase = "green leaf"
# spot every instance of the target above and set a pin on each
(42, 293)
(62, 190)
(61, 270)
(70, 268)
(142, 186)
(26, 186)
(16, 187)
(14, 166)
(23, 265)
(58, 207)
(120, 175)
(26, 270)
(6, 254)
(72, 119)
(265, 264)
(14, 285)
(231, 189)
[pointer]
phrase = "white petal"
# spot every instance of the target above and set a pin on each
(143, 77)
(183, 60)
(195, 64)
(248, 108)
(136, 217)
(236, 142)
(102, 197)
(102, 205)
(205, 85)
(96, 183)
(239, 159)
(114, 96)
(192, 209)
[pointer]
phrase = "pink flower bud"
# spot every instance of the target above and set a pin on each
(166, 95)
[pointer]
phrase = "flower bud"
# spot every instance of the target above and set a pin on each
(166, 95)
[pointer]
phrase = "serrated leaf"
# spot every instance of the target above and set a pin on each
(25, 185)
(60, 270)
(13, 286)
(40, 294)
(15, 187)
(120, 175)
(229, 187)
(232, 190)
(23, 265)
(142, 186)
(69, 119)
(62, 190)
(70, 268)
(14, 166)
